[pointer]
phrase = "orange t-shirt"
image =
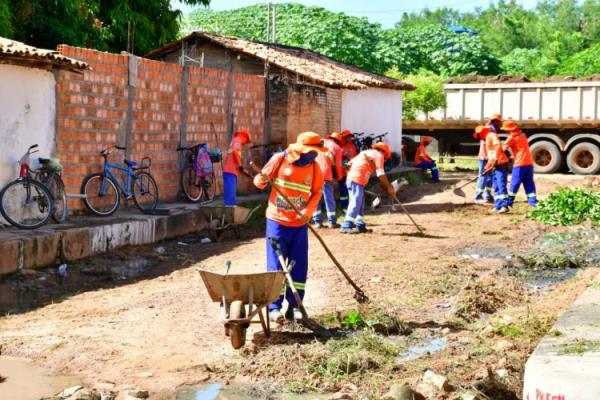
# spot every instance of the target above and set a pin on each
(494, 151)
(364, 165)
(302, 185)
(422, 154)
(338, 156)
(233, 159)
(519, 146)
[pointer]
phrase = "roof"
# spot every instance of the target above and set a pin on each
(20, 53)
(306, 63)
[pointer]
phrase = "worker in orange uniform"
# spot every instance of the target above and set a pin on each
(483, 188)
(366, 163)
(522, 172)
(299, 177)
(233, 166)
(423, 159)
(497, 162)
(331, 166)
(349, 151)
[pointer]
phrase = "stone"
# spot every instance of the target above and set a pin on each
(143, 375)
(139, 394)
(341, 396)
(502, 373)
(399, 392)
(503, 345)
(76, 244)
(70, 391)
(438, 381)
(41, 250)
(426, 390)
(9, 262)
(469, 395)
(109, 395)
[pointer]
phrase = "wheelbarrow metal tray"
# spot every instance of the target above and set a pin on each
(266, 286)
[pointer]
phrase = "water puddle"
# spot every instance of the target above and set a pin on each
(25, 381)
(216, 391)
(421, 348)
(34, 288)
(479, 252)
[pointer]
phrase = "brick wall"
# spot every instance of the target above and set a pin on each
(93, 110)
(305, 108)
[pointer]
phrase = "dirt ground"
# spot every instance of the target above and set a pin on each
(161, 331)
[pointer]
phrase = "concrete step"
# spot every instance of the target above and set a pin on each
(566, 363)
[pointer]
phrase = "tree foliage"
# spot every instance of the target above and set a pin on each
(101, 24)
(429, 95)
(528, 62)
(584, 63)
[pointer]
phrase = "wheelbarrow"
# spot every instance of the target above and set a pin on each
(243, 297)
(221, 219)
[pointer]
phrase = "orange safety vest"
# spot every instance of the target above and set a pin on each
(364, 165)
(302, 185)
(519, 146)
(337, 158)
(482, 152)
(496, 154)
(233, 159)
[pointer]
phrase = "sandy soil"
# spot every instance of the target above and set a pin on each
(162, 332)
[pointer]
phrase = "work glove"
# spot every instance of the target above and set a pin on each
(263, 179)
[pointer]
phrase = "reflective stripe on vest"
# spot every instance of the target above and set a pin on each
(292, 185)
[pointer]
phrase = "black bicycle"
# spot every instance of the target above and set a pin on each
(26, 202)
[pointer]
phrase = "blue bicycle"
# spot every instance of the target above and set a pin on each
(102, 190)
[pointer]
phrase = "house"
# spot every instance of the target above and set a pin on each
(28, 101)
(307, 91)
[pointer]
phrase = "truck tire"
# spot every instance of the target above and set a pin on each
(546, 156)
(584, 159)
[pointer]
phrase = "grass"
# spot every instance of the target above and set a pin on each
(579, 346)
(459, 164)
(531, 328)
(594, 285)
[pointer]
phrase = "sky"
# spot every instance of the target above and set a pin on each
(386, 12)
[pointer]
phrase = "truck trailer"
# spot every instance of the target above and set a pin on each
(561, 120)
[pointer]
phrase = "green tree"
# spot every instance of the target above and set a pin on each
(337, 35)
(529, 62)
(6, 28)
(584, 63)
(428, 97)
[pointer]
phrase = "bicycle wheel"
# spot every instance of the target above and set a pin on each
(190, 184)
(145, 191)
(209, 186)
(101, 194)
(56, 187)
(26, 204)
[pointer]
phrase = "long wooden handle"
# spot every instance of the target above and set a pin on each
(359, 291)
(484, 173)
(395, 198)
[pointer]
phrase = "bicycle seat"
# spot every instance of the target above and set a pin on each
(44, 160)
(130, 163)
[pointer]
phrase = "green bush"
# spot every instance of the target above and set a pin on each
(568, 207)
(584, 63)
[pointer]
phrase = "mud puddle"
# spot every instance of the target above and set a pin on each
(481, 252)
(25, 381)
(417, 347)
(37, 287)
(216, 391)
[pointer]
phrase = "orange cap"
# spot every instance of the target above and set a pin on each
(387, 152)
(346, 133)
(337, 137)
(306, 142)
(245, 135)
(509, 126)
(480, 130)
(426, 139)
(495, 117)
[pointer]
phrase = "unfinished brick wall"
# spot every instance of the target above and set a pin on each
(297, 108)
(151, 113)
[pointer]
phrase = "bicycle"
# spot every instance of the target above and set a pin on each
(102, 190)
(196, 187)
(50, 175)
(26, 202)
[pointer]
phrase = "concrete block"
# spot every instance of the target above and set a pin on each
(552, 373)
(9, 256)
(41, 250)
(185, 223)
(76, 244)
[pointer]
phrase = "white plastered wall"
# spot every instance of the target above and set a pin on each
(374, 110)
(27, 116)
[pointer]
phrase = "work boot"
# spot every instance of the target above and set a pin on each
(275, 315)
(348, 230)
(317, 224)
(363, 229)
(503, 210)
(293, 314)
(334, 225)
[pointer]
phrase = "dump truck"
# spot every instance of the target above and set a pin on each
(561, 120)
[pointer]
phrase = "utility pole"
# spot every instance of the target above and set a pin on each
(271, 23)
(268, 32)
(274, 25)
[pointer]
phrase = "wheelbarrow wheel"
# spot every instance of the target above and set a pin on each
(237, 331)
